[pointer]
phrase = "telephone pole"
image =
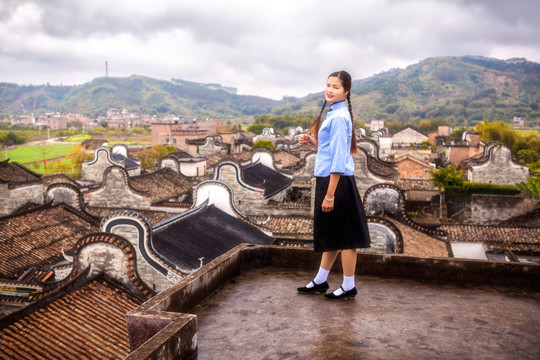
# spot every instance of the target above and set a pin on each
(106, 69)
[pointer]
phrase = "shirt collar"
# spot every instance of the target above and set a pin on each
(338, 105)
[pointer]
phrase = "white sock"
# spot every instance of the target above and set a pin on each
(321, 277)
(348, 284)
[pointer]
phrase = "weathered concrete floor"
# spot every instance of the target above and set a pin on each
(259, 315)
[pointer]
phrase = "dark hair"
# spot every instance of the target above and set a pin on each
(346, 82)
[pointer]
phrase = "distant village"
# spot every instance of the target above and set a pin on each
(115, 118)
(124, 234)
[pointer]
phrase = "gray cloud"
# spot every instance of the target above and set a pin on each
(266, 48)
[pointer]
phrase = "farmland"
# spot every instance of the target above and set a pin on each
(26, 154)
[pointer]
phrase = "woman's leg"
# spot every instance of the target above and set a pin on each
(328, 258)
(348, 261)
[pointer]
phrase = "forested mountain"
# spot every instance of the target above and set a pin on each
(462, 89)
(135, 93)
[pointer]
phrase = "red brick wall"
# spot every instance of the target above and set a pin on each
(411, 169)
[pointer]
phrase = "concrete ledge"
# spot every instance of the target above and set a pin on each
(158, 329)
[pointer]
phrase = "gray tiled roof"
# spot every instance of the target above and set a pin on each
(204, 232)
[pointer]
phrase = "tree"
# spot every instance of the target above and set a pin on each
(532, 186)
(267, 144)
(450, 176)
(78, 156)
(528, 156)
(256, 128)
(149, 156)
(74, 124)
(457, 134)
(496, 131)
(11, 139)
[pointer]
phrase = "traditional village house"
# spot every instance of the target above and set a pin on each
(85, 315)
(176, 134)
(56, 121)
(455, 152)
(414, 180)
(49, 180)
(105, 157)
(27, 120)
(409, 141)
(164, 191)
(440, 136)
(256, 183)
(285, 160)
(410, 167)
(376, 124)
(184, 164)
(496, 166)
(205, 146)
(267, 134)
(37, 238)
(388, 201)
(21, 188)
(408, 135)
(18, 187)
(235, 142)
(177, 246)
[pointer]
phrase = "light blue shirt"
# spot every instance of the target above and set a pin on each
(334, 150)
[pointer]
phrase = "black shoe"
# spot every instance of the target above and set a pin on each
(345, 296)
(317, 288)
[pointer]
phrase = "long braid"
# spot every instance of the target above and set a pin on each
(354, 146)
(317, 123)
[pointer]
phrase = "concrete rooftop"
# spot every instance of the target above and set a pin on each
(244, 305)
(259, 315)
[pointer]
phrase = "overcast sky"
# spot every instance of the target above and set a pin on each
(271, 48)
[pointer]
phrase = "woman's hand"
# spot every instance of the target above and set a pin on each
(304, 139)
(327, 206)
(307, 139)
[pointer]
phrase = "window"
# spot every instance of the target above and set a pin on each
(174, 140)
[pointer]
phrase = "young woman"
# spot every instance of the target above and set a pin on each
(339, 223)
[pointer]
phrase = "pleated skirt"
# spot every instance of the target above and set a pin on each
(345, 227)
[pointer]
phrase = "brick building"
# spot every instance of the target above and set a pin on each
(176, 134)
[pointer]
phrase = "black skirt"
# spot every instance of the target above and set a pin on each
(345, 227)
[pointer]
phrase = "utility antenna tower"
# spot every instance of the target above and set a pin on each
(106, 69)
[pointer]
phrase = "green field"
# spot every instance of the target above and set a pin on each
(78, 138)
(25, 154)
(52, 166)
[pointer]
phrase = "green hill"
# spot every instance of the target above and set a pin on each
(135, 93)
(462, 89)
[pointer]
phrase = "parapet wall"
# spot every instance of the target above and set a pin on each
(162, 328)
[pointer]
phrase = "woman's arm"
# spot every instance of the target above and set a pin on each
(328, 206)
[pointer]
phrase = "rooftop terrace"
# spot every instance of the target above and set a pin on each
(259, 315)
(244, 305)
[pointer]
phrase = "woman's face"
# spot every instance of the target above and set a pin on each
(334, 91)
